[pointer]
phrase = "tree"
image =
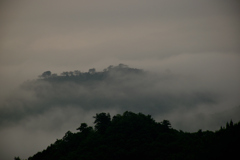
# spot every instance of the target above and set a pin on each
(67, 137)
(77, 73)
(102, 121)
(110, 67)
(231, 123)
(17, 158)
(92, 71)
(166, 124)
(65, 74)
(71, 73)
(122, 65)
(82, 127)
(85, 129)
(46, 74)
(227, 125)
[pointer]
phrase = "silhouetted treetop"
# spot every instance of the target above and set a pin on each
(102, 122)
(138, 136)
(82, 127)
(46, 74)
(92, 74)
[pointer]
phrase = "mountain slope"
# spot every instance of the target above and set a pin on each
(138, 136)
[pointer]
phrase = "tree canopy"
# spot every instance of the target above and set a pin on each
(138, 136)
(92, 74)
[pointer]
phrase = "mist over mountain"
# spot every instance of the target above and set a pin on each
(52, 103)
(55, 66)
(116, 88)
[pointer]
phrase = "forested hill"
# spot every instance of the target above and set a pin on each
(111, 72)
(138, 136)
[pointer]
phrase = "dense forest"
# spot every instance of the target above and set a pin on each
(139, 136)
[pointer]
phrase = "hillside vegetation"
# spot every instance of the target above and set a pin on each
(139, 136)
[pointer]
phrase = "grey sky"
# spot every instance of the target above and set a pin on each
(193, 43)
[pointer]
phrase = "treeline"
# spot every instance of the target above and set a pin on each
(139, 136)
(92, 74)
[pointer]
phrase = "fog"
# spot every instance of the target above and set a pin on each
(188, 54)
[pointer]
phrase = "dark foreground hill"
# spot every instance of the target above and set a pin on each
(138, 136)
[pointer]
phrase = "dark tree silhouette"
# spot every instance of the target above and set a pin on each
(138, 136)
(82, 127)
(46, 74)
(102, 121)
(166, 124)
(231, 123)
(17, 158)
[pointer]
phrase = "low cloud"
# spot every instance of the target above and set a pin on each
(54, 104)
(189, 52)
(117, 88)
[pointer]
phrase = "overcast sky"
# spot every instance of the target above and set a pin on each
(190, 50)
